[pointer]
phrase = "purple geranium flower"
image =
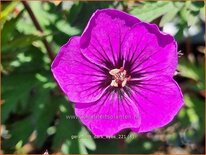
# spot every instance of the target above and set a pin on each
(119, 73)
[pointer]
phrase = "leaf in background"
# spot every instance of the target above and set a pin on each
(143, 146)
(20, 131)
(150, 11)
(79, 14)
(76, 141)
(16, 89)
(196, 5)
(37, 102)
(169, 16)
(199, 108)
(66, 128)
(179, 36)
(192, 71)
(183, 118)
(18, 84)
(106, 146)
(22, 41)
(9, 27)
(7, 10)
(45, 18)
(188, 70)
(87, 140)
(192, 18)
(43, 113)
(66, 28)
(74, 11)
(196, 114)
(190, 12)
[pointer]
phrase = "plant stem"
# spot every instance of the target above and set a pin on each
(38, 27)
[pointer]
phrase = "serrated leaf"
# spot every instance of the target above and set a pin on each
(66, 128)
(20, 131)
(18, 85)
(14, 95)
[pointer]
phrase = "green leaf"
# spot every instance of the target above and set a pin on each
(192, 18)
(87, 140)
(44, 110)
(79, 144)
(191, 70)
(7, 10)
(190, 12)
(20, 131)
(168, 17)
(196, 114)
(66, 128)
(196, 5)
(143, 146)
(179, 36)
(22, 41)
(69, 135)
(9, 27)
(106, 147)
(42, 14)
(172, 13)
(66, 28)
(150, 11)
(19, 84)
(75, 11)
(16, 89)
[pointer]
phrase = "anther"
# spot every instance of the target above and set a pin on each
(119, 76)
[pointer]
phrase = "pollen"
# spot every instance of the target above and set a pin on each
(119, 76)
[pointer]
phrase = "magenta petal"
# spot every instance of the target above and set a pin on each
(80, 79)
(109, 115)
(150, 51)
(101, 41)
(158, 99)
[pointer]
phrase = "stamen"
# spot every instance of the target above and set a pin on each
(114, 71)
(121, 69)
(120, 77)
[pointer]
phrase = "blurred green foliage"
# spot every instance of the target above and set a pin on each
(33, 109)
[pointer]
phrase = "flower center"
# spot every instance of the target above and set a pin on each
(119, 76)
